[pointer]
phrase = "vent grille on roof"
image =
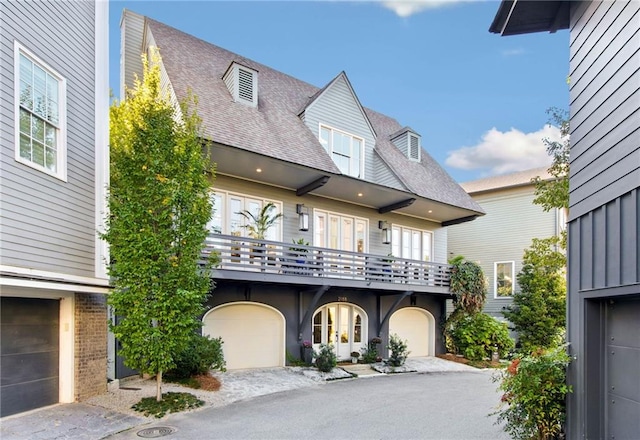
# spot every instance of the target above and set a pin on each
(414, 147)
(245, 85)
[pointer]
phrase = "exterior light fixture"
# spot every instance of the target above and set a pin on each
(386, 231)
(303, 217)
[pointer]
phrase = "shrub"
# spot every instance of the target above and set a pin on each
(533, 403)
(370, 352)
(538, 311)
(201, 355)
(468, 284)
(478, 335)
(398, 352)
(171, 403)
(325, 358)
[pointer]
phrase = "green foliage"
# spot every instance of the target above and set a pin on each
(370, 352)
(294, 361)
(538, 310)
(555, 193)
(170, 403)
(201, 354)
(533, 403)
(159, 206)
(326, 358)
(469, 286)
(398, 352)
(301, 242)
(260, 223)
(477, 336)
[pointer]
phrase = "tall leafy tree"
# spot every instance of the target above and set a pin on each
(554, 193)
(159, 205)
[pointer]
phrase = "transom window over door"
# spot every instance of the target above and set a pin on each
(227, 220)
(41, 114)
(414, 244)
(346, 150)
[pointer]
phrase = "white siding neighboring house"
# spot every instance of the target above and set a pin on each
(498, 240)
(54, 101)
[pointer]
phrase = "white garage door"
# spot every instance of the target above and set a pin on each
(417, 327)
(253, 334)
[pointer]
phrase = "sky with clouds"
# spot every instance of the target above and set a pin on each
(478, 100)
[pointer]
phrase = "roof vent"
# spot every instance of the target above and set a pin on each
(242, 83)
(414, 147)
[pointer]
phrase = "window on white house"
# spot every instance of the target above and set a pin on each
(341, 232)
(504, 277)
(41, 113)
(414, 244)
(346, 150)
(226, 219)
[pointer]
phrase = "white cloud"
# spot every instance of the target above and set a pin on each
(512, 52)
(405, 8)
(505, 152)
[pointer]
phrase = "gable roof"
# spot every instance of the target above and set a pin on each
(504, 181)
(274, 128)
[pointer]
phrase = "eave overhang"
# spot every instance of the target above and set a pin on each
(516, 17)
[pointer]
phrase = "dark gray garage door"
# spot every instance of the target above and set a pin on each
(29, 352)
(623, 370)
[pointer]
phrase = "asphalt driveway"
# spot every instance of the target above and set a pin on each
(452, 405)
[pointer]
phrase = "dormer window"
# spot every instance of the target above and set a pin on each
(413, 147)
(242, 83)
(346, 150)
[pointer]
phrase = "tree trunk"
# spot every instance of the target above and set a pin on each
(159, 386)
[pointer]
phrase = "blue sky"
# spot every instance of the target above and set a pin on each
(478, 100)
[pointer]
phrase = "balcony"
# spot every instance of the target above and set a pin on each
(248, 259)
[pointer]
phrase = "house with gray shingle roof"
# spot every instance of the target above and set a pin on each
(498, 240)
(364, 202)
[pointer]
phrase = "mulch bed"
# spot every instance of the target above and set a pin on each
(461, 360)
(208, 382)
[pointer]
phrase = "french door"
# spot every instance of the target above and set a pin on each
(342, 325)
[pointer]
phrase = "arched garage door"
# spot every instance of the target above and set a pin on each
(417, 327)
(253, 334)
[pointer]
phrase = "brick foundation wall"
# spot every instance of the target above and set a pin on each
(90, 345)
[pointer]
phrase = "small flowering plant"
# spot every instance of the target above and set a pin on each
(306, 344)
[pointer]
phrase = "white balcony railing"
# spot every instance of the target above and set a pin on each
(248, 254)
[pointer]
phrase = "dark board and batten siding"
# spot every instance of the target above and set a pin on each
(46, 223)
(604, 250)
(604, 95)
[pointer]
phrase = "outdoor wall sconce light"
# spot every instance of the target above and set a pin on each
(303, 217)
(386, 231)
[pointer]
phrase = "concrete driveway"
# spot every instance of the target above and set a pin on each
(451, 405)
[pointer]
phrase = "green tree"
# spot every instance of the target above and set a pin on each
(538, 310)
(554, 193)
(159, 206)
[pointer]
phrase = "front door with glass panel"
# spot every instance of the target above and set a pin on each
(341, 325)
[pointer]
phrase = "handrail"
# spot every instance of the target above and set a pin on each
(249, 254)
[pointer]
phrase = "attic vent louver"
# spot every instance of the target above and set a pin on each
(245, 85)
(242, 83)
(414, 147)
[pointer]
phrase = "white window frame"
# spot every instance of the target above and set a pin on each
(329, 148)
(324, 240)
(495, 279)
(61, 129)
(398, 245)
(225, 214)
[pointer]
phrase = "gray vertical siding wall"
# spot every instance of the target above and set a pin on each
(48, 224)
(604, 250)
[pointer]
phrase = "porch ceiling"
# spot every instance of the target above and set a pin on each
(275, 172)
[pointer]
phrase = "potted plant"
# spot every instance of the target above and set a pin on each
(306, 352)
(354, 357)
(258, 224)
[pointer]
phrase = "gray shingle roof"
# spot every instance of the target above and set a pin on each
(274, 127)
(503, 181)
